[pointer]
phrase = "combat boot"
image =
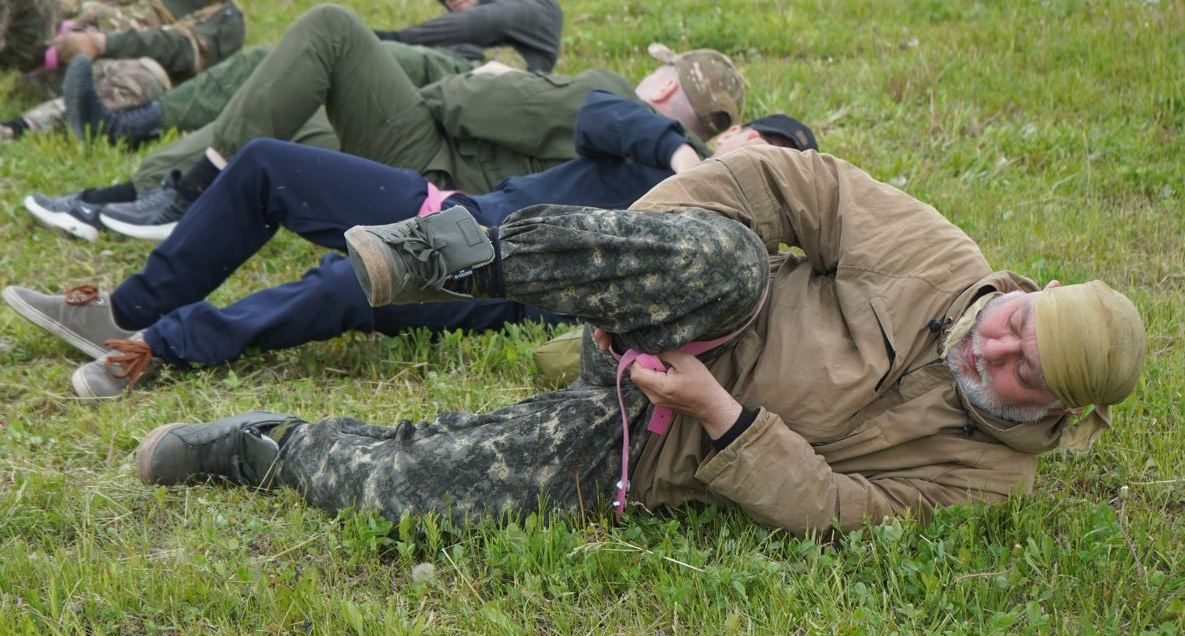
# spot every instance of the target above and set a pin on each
(412, 260)
(234, 449)
(85, 110)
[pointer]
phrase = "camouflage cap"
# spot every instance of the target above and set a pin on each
(712, 84)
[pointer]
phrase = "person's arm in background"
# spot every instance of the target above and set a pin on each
(532, 27)
(609, 126)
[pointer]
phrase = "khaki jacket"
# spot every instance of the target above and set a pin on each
(859, 418)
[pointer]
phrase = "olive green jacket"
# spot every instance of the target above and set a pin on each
(859, 418)
(499, 126)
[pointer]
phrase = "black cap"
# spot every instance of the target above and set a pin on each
(797, 133)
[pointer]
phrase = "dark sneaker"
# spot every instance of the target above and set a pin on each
(82, 316)
(234, 449)
(86, 112)
(68, 213)
(152, 216)
(126, 363)
(410, 261)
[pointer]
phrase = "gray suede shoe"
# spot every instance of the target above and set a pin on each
(127, 363)
(82, 316)
(234, 449)
(410, 261)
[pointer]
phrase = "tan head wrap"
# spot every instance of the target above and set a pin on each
(1091, 342)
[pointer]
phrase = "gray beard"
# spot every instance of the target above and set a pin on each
(978, 388)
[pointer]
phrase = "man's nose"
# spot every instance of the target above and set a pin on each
(997, 350)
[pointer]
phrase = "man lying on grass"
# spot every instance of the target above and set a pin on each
(889, 369)
(160, 315)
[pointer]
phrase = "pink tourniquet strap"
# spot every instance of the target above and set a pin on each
(660, 418)
(435, 200)
(51, 53)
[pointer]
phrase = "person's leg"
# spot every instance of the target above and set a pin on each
(424, 64)
(656, 280)
(330, 58)
(562, 449)
(186, 151)
(325, 303)
(315, 193)
(198, 101)
(25, 30)
(188, 46)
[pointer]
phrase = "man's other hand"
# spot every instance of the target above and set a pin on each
(688, 387)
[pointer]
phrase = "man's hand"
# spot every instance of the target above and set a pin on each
(459, 5)
(91, 43)
(683, 158)
(688, 387)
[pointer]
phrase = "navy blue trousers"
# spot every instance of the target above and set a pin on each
(318, 194)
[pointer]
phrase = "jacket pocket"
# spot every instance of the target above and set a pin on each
(885, 324)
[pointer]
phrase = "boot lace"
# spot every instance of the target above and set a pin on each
(82, 295)
(131, 362)
(424, 250)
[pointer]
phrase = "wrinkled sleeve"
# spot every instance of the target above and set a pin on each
(775, 476)
(836, 213)
(610, 127)
(494, 24)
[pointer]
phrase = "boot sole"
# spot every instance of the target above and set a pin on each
(62, 221)
(147, 232)
(146, 450)
(370, 265)
(35, 316)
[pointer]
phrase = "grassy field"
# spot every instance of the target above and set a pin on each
(1053, 132)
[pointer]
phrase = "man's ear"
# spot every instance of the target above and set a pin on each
(665, 90)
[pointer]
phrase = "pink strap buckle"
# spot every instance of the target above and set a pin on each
(661, 417)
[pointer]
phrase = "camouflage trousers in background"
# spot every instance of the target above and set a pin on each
(121, 84)
(658, 280)
(27, 26)
(135, 29)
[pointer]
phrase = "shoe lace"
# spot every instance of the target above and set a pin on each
(131, 362)
(426, 251)
(82, 295)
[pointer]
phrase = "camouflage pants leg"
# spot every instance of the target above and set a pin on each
(26, 27)
(656, 280)
(559, 448)
(198, 101)
(121, 84)
(184, 46)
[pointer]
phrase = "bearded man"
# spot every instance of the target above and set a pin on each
(886, 369)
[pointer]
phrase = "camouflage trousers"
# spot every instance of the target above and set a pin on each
(120, 83)
(181, 45)
(657, 280)
(27, 26)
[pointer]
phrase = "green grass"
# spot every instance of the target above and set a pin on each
(1051, 131)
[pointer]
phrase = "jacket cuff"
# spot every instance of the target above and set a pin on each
(744, 421)
(725, 460)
